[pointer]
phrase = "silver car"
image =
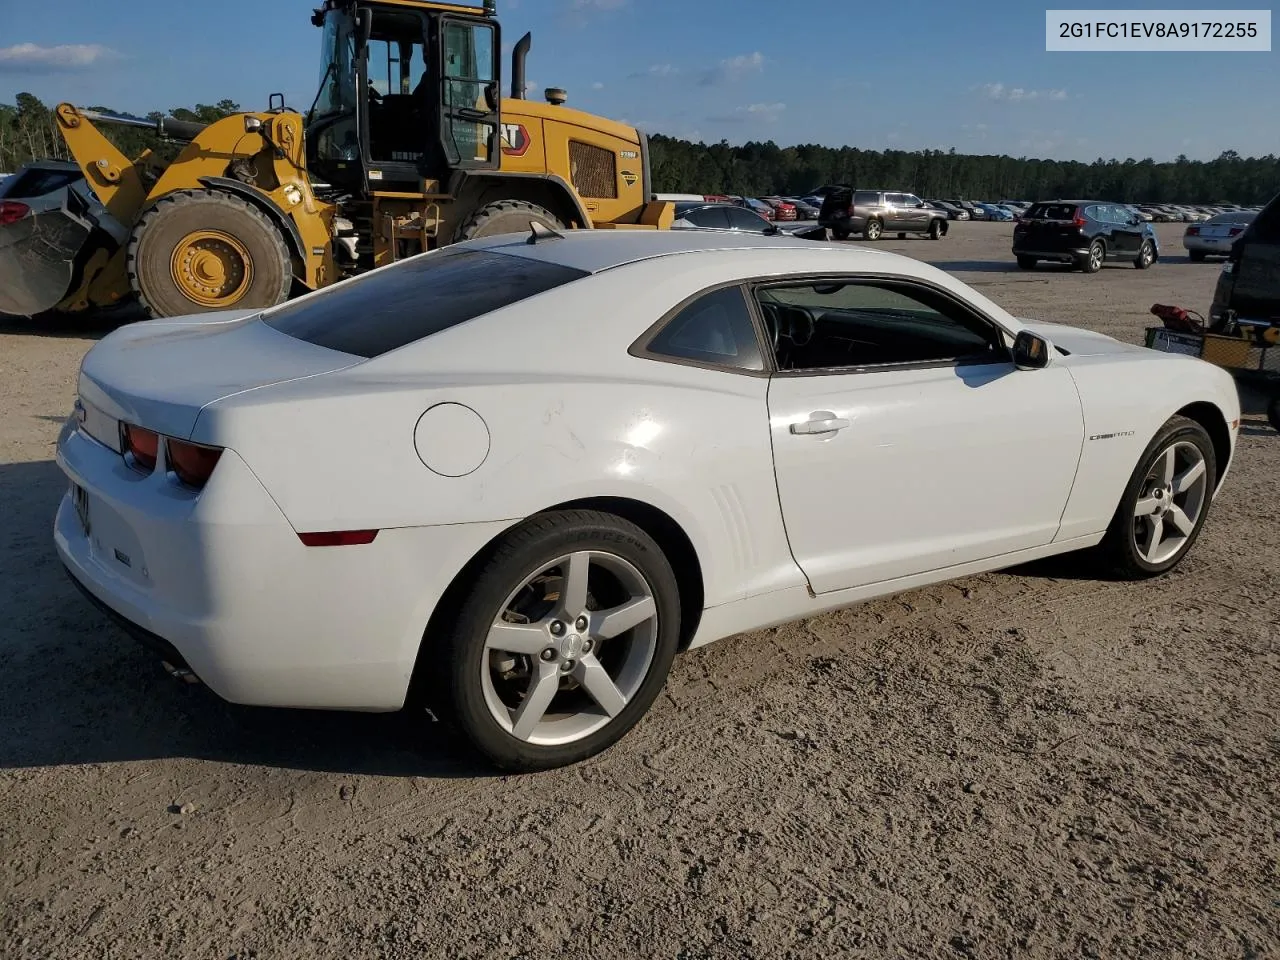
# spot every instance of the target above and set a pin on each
(1215, 235)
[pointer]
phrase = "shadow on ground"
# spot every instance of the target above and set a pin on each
(74, 689)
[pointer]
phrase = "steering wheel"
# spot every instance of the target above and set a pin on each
(770, 311)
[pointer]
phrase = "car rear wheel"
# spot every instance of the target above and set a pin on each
(1094, 259)
(563, 642)
(1196, 256)
(873, 229)
(936, 229)
(1027, 263)
(1146, 255)
(1165, 504)
(840, 234)
(1273, 412)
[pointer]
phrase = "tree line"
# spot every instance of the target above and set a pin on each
(765, 169)
(28, 130)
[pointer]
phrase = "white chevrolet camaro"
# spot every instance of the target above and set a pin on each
(512, 478)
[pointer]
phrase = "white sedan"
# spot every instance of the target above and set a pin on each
(512, 478)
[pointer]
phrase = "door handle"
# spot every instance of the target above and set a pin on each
(820, 424)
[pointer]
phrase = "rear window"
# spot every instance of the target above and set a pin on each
(36, 182)
(1239, 217)
(1052, 211)
(396, 305)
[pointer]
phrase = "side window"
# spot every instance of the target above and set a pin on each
(910, 200)
(845, 324)
(1266, 225)
(866, 198)
(708, 217)
(714, 329)
(740, 219)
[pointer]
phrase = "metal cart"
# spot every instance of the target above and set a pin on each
(1249, 348)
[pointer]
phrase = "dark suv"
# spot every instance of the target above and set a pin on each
(874, 213)
(1249, 283)
(1086, 233)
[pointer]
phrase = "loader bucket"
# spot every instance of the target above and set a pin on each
(40, 253)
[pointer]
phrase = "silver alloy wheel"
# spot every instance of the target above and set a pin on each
(1147, 253)
(557, 666)
(873, 230)
(1095, 256)
(1173, 496)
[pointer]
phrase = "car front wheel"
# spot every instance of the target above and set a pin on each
(1165, 504)
(563, 642)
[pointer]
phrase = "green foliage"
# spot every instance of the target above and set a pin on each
(28, 131)
(765, 169)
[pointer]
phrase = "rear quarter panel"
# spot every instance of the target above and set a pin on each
(1126, 399)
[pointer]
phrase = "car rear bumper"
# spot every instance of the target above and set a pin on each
(1067, 255)
(1220, 245)
(220, 583)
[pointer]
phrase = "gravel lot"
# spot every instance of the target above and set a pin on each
(1030, 764)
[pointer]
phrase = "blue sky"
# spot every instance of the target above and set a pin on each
(908, 74)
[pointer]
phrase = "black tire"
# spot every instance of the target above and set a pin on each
(1196, 256)
(171, 219)
(874, 229)
(840, 234)
(505, 216)
(515, 556)
(1118, 550)
(1095, 258)
(937, 229)
(902, 236)
(1027, 263)
(1273, 412)
(1146, 255)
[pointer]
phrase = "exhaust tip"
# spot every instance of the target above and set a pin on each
(179, 673)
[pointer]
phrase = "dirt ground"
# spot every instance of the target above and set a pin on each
(1023, 764)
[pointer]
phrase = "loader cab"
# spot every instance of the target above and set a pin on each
(408, 91)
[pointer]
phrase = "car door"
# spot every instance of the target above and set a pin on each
(915, 212)
(1123, 236)
(897, 213)
(904, 438)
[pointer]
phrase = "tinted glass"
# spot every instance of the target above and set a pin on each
(866, 198)
(36, 182)
(741, 219)
(824, 326)
(911, 200)
(716, 328)
(396, 305)
(1052, 211)
(1238, 217)
(1266, 225)
(708, 217)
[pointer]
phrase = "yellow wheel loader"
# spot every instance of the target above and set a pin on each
(409, 145)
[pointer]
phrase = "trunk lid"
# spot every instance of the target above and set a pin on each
(159, 374)
(1049, 224)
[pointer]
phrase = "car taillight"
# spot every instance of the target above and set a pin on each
(337, 538)
(192, 463)
(1193, 231)
(142, 445)
(11, 211)
(1078, 220)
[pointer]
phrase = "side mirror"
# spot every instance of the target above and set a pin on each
(1030, 352)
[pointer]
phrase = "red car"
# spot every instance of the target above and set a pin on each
(781, 208)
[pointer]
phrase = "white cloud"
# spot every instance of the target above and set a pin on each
(732, 69)
(759, 112)
(31, 57)
(998, 91)
(597, 85)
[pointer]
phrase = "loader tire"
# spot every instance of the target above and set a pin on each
(505, 216)
(195, 251)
